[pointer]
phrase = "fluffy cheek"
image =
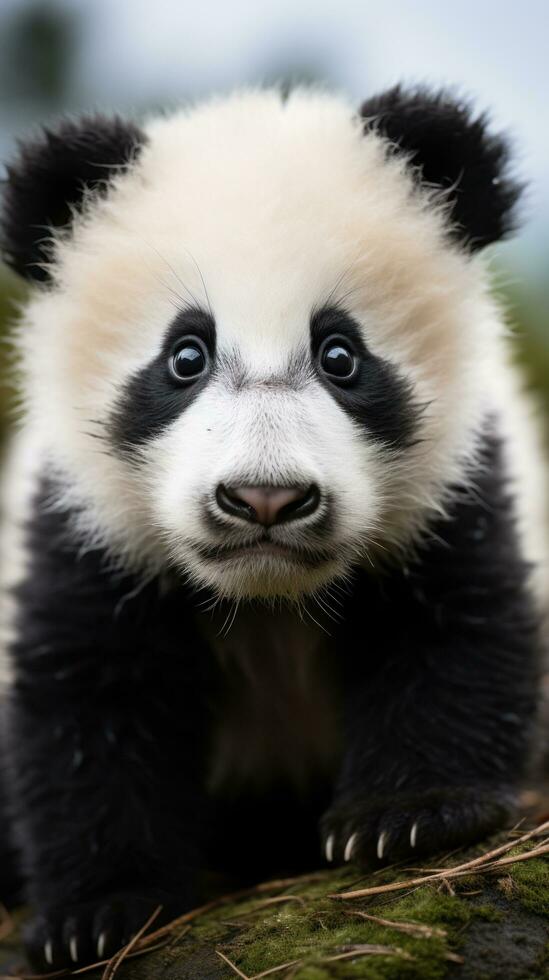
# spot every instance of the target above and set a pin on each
(176, 481)
(226, 438)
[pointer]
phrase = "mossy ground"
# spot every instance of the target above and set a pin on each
(311, 926)
(531, 882)
(485, 926)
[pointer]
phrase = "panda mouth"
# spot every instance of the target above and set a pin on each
(266, 549)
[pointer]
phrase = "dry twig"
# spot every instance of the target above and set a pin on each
(482, 864)
(417, 929)
(113, 964)
(265, 902)
(265, 886)
(369, 949)
(275, 969)
(232, 965)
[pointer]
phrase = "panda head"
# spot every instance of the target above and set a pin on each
(260, 341)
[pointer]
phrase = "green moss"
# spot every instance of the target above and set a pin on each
(319, 927)
(312, 927)
(531, 882)
(430, 907)
(311, 973)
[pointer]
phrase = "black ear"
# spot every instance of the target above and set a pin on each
(452, 148)
(50, 177)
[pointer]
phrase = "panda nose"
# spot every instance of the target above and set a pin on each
(268, 505)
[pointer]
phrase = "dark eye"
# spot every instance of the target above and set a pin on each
(337, 360)
(190, 360)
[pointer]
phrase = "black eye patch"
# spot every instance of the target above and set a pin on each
(158, 393)
(366, 386)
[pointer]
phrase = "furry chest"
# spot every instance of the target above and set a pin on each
(276, 711)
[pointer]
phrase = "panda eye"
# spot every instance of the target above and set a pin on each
(337, 361)
(189, 361)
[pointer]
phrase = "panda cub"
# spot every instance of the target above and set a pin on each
(273, 546)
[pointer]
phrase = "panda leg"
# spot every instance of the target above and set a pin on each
(11, 882)
(106, 737)
(441, 706)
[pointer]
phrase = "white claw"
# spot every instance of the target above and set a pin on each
(381, 844)
(413, 835)
(329, 848)
(73, 949)
(48, 952)
(101, 943)
(349, 847)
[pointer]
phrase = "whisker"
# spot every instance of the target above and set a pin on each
(174, 273)
(198, 269)
(340, 279)
(176, 276)
(315, 621)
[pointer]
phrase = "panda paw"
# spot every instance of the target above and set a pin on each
(68, 938)
(367, 831)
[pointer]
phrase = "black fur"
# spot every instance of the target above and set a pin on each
(152, 399)
(107, 730)
(377, 398)
(111, 711)
(49, 179)
(11, 884)
(441, 711)
(455, 150)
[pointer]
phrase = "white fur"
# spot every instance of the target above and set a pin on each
(20, 472)
(263, 211)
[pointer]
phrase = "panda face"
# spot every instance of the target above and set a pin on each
(265, 353)
(280, 489)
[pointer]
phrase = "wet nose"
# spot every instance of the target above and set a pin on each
(268, 505)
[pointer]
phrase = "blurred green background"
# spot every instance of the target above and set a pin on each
(59, 56)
